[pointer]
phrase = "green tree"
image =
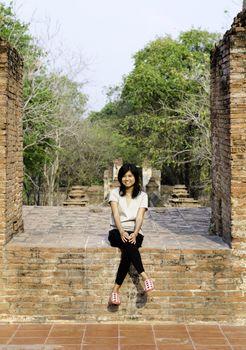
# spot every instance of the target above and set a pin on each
(17, 34)
(159, 76)
(163, 108)
(53, 104)
(86, 157)
(69, 106)
(13, 30)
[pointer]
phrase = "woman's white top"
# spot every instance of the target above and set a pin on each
(127, 211)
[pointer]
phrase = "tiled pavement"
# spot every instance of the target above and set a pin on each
(164, 228)
(121, 337)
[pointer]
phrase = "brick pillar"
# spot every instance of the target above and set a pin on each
(228, 118)
(11, 163)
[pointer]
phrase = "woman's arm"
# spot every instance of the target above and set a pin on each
(114, 207)
(138, 225)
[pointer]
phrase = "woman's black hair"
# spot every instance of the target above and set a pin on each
(135, 172)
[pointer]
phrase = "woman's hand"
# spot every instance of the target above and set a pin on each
(124, 236)
(132, 238)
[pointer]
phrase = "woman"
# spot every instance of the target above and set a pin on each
(128, 204)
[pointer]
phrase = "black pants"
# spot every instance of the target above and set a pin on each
(129, 254)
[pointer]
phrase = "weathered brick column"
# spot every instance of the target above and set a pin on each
(228, 112)
(11, 163)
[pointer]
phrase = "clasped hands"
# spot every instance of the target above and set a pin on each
(128, 238)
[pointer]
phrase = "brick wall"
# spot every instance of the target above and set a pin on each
(11, 173)
(228, 111)
(57, 285)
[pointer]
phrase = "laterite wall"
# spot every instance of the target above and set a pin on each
(57, 285)
(11, 163)
(228, 117)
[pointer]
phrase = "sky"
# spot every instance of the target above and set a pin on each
(105, 34)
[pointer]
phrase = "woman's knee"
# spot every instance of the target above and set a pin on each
(125, 259)
(114, 238)
(132, 249)
(124, 254)
(139, 240)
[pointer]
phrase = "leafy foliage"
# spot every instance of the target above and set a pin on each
(159, 114)
(163, 108)
(53, 103)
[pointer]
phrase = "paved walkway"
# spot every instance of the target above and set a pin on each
(121, 337)
(172, 228)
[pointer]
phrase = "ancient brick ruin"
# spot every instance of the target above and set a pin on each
(57, 270)
(228, 112)
(11, 164)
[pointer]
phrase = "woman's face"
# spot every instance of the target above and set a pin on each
(128, 179)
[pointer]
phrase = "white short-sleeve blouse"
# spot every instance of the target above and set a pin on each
(127, 212)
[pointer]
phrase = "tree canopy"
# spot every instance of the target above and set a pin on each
(159, 114)
(52, 104)
(163, 106)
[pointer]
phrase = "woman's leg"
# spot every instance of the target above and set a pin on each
(134, 256)
(136, 259)
(122, 270)
(130, 254)
(116, 241)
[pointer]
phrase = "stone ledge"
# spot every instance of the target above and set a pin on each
(72, 284)
(68, 278)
